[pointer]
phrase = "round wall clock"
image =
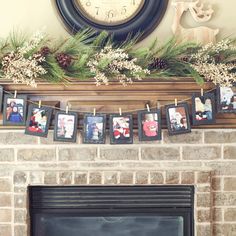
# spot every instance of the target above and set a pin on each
(118, 17)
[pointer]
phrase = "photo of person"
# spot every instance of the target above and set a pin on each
(226, 99)
(178, 119)
(94, 128)
(38, 120)
(1, 96)
(14, 110)
(203, 109)
(65, 126)
(149, 125)
(121, 129)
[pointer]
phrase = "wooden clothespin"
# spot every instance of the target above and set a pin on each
(94, 111)
(158, 105)
(15, 94)
(120, 111)
(176, 102)
(202, 92)
(40, 103)
(148, 108)
(67, 109)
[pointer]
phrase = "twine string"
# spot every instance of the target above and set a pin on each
(127, 111)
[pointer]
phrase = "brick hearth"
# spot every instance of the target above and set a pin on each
(204, 158)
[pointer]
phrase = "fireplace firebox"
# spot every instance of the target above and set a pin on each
(111, 210)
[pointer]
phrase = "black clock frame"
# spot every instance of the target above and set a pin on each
(144, 22)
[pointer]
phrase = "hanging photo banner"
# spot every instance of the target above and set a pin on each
(65, 129)
(38, 120)
(177, 117)
(203, 109)
(121, 129)
(1, 97)
(94, 128)
(14, 109)
(149, 125)
(121, 125)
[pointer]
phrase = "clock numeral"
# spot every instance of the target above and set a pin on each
(97, 10)
(124, 10)
(88, 3)
(110, 14)
(133, 2)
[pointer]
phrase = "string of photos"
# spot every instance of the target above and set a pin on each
(38, 117)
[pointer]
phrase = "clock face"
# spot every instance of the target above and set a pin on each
(120, 18)
(110, 12)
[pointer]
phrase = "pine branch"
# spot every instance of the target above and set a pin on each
(100, 39)
(77, 43)
(17, 39)
(129, 42)
(54, 72)
(4, 48)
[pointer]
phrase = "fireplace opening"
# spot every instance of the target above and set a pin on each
(111, 210)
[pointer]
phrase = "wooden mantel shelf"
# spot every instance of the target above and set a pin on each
(85, 95)
(75, 86)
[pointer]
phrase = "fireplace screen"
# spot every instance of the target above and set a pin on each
(116, 211)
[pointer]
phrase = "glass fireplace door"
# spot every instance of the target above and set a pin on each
(109, 211)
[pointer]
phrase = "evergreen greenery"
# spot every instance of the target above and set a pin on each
(163, 60)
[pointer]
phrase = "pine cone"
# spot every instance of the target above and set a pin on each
(219, 58)
(158, 63)
(44, 51)
(64, 60)
(185, 59)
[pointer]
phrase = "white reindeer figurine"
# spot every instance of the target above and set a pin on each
(199, 34)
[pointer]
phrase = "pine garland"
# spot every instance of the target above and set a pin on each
(95, 56)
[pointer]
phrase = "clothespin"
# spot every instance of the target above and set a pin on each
(176, 102)
(158, 105)
(202, 92)
(40, 103)
(148, 108)
(94, 111)
(120, 111)
(15, 94)
(67, 109)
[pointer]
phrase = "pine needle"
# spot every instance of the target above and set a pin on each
(100, 39)
(17, 39)
(77, 43)
(55, 72)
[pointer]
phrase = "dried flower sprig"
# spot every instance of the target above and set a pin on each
(32, 43)
(23, 70)
(115, 63)
(208, 63)
(220, 74)
(20, 66)
(84, 56)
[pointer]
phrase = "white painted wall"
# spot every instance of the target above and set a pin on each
(31, 15)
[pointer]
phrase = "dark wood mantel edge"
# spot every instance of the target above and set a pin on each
(162, 84)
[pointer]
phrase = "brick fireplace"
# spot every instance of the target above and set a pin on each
(203, 158)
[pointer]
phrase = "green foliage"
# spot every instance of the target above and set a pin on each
(177, 57)
(3, 47)
(16, 39)
(198, 78)
(79, 68)
(129, 42)
(100, 39)
(77, 44)
(55, 73)
(103, 63)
